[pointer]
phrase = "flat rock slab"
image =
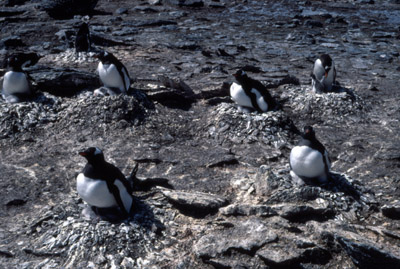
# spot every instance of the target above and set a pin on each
(392, 210)
(246, 237)
(248, 210)
(196, 202)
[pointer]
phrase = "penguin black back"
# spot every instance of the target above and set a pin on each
(82, 41)
(248, 84)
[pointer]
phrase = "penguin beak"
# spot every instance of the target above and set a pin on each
(234, 75)
(326, 74)
(83, 153)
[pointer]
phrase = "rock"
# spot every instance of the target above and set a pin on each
(64, 9)
(121, 10)
(305, 213)
(11, 41)
(186, 3)
(279, 255)
(367, 256)
(247, 210)
(63, 81)
(392, 210)
(155, 2)
(10, 3)
(313, 23)
(246, 237)
(195, 203)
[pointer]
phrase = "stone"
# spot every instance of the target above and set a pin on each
(245, 237)
(392, 210)
(367, 256)
(247, 210)
(63, 9)
(195, 202)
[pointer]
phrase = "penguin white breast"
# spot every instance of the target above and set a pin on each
(307, 162)
(15, 82)
(241, 98)
(110, 76)
(319, 73)
(96, 193)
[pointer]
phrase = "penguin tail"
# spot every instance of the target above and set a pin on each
(132, 177)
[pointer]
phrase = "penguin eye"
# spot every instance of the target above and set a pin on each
(243, 73)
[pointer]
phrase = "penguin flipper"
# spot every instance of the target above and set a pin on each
(115, 192)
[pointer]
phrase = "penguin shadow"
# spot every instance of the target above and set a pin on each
(142, 214)
(337, 88)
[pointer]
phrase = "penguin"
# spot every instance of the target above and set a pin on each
(324, 74)
(113, 73)
(16, 82)
(251, 94)
(102, 185)
(309, 160)
(82, 40)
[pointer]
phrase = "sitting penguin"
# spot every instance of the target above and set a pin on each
(324, 74)
(113, 74)
(309, 160)
(16, 82)
(251, 94)
(103, 186)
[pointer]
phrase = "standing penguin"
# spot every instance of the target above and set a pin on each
(16, 84)
(82, 40)
(251, 94)
(324, 74)
(309, 160)
(102, 185)
(113, 73)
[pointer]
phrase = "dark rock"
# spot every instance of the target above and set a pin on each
(392, 210)
(11, 41)
(367, 256)
(16, 202)
(11, 3)
(106, 41)
(313, 23)
(222, 161)
(63, 82)
(154, 23)
(186, 3)
(306, 213)
(289, 79)
(64, 9)
(6, 253)
(245, 237)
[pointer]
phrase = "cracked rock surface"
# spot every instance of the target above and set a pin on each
(214, 189)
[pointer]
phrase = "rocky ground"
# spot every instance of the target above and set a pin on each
(229, 201)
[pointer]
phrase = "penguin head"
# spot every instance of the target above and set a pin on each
(308, 133)
(240, 76)
(92, 155)
(327, 62)
(105, 57)
(14, 62)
